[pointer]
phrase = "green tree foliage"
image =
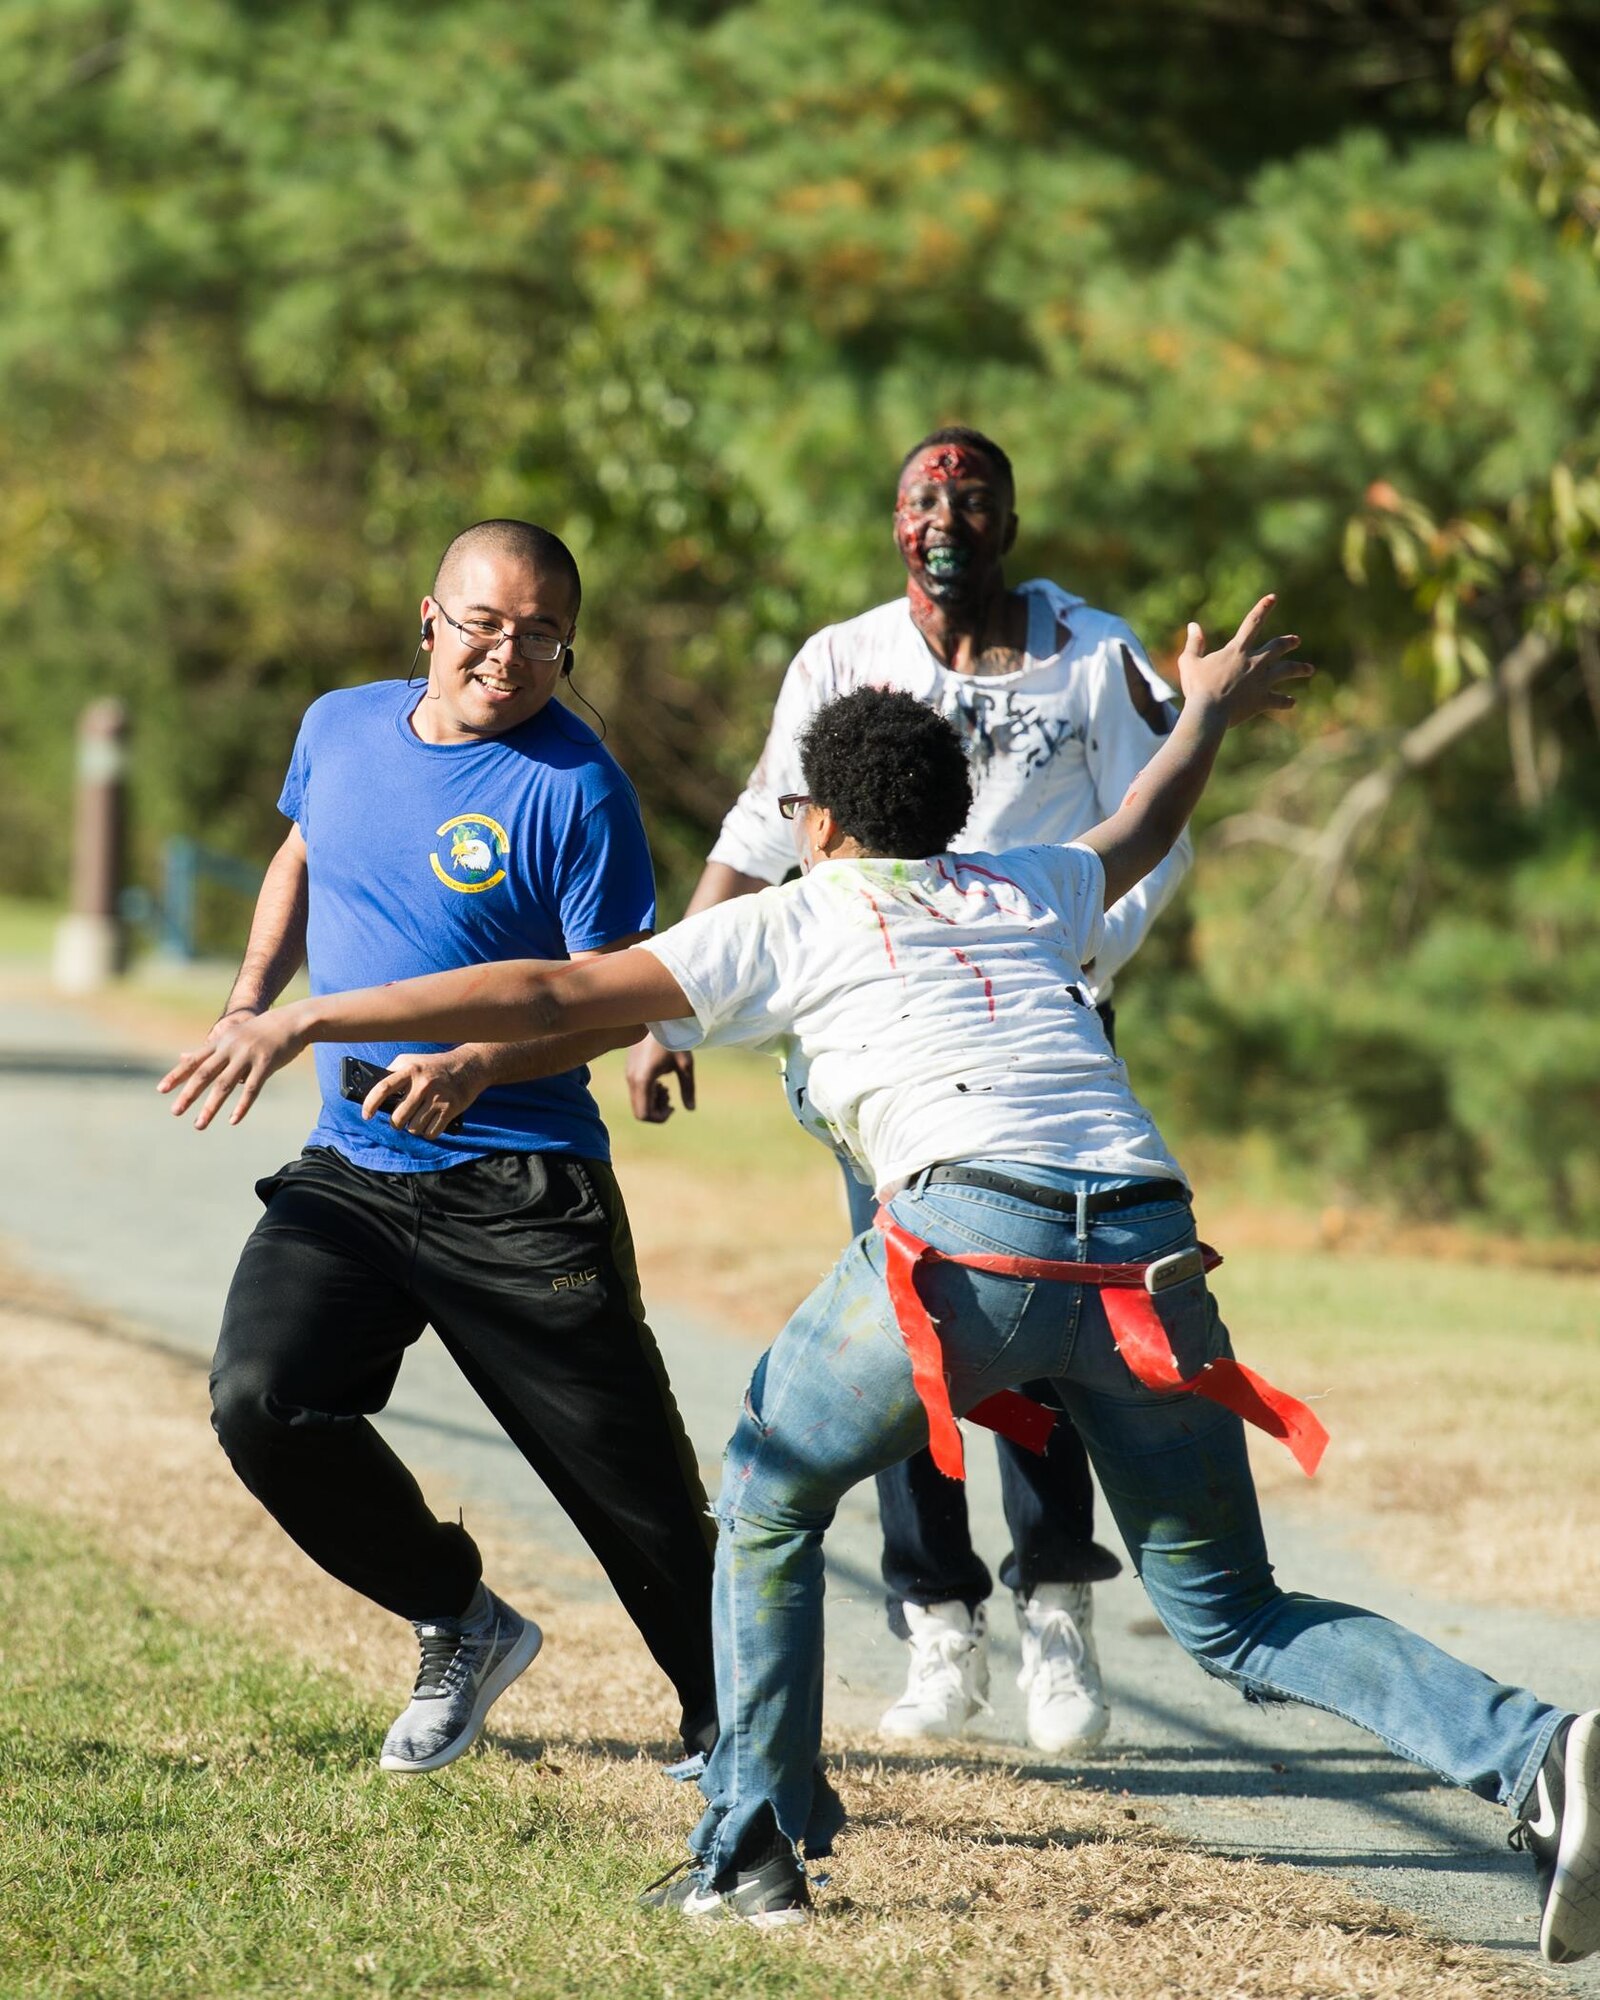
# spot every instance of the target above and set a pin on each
(293, 290)
(1488, 1007)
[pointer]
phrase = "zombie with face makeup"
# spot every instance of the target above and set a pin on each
(466, 821)
(1059, 710)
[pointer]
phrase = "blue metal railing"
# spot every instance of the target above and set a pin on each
(185, 866)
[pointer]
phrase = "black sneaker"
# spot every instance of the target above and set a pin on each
(1560, 1828)
(773, 1897)
(465, 1669)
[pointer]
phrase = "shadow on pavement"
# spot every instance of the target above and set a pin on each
(1430, 1860)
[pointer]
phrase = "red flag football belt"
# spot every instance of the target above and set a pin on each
(1135, 1327)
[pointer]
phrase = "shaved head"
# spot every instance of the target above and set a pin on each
(517, 541)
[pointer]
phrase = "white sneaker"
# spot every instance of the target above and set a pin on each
(1060, 1669)
(948, 1681)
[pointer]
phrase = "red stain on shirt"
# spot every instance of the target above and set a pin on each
(970, 868)
(959, 865)
(977, 972)
(883, 928)
(931, 909)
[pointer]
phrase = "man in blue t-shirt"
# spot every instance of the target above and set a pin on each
(470, 820)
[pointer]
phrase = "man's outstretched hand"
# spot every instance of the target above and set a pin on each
(1245, 677)
(649, 1066)
(240, 1053)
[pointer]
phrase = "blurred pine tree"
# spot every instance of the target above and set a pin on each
(292, 291)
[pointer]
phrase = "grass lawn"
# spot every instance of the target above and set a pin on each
(187, 1811)
(1463, 1402)
(189, 1713)
(27, 929)
(184, 1815)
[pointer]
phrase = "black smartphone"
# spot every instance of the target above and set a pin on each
(356, 1078)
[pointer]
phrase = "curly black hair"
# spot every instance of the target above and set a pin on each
(892, 772)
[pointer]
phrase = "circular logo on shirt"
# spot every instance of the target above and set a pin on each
(469, 853)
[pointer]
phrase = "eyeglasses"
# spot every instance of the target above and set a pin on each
(482, 636)
(791, 802)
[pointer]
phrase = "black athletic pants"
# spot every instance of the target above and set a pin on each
(928, 1557)
(523, 1264)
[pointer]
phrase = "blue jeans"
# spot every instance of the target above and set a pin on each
(1047, 1498)
(832, 1402)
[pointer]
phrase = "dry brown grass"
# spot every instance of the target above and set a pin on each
(1463, 1403)
(987, 1883)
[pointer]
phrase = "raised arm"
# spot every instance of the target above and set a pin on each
(508, 1001)
(1241, 679)
(1128, 723)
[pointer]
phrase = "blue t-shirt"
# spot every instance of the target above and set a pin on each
(425, 856)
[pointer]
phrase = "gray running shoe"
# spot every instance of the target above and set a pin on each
(465, 1669)
(769, 1898)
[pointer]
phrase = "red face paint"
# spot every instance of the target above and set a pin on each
(950, 520)
(949, 461)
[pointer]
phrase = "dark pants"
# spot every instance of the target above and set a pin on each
(524, 1266)
(928, 1557)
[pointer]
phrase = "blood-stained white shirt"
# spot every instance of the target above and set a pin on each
(925, 1011)
(1053, 747)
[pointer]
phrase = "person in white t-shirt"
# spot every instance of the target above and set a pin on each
(932, 1017)
(1059, 710)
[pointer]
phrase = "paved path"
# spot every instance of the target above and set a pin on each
(103, 1191)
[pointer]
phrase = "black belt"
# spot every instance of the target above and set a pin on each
(1098, 1201)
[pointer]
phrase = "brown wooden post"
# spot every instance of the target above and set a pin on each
(89, 944)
